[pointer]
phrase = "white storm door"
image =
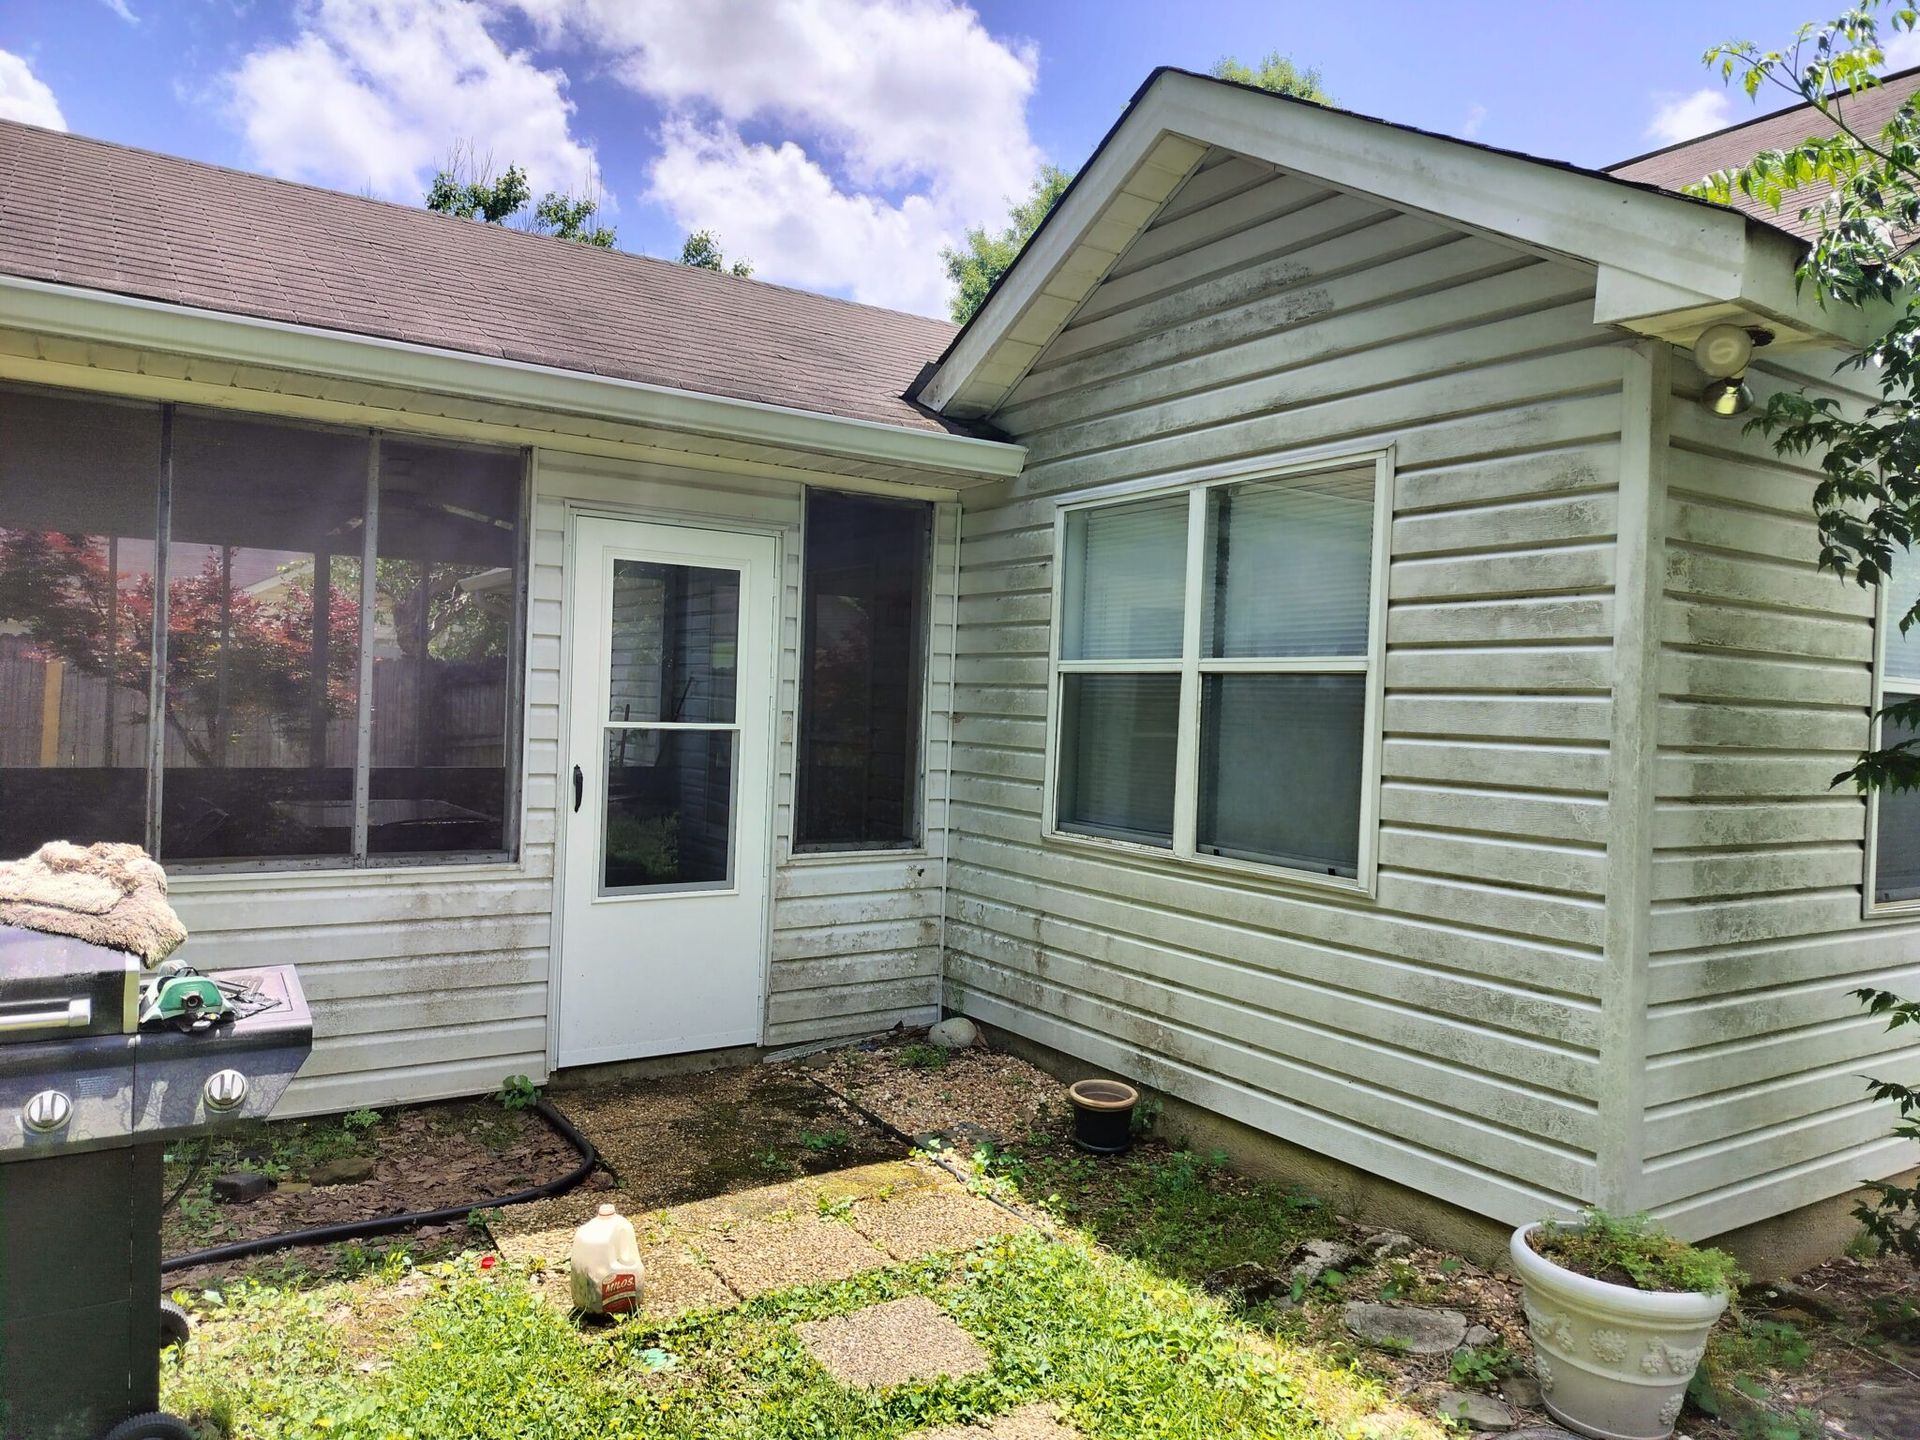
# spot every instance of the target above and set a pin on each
(666, 790)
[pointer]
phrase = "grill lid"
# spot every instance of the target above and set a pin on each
(54, 987)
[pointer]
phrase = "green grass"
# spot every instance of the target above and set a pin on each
(1122, 1352)
(1183, 1215)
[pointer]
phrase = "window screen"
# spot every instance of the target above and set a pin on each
(270, 749)
(862, 666)
(1896, 848)
(1271, 681)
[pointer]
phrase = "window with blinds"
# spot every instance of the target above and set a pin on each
(1216, 676)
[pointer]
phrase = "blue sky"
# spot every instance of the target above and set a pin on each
(835, 143)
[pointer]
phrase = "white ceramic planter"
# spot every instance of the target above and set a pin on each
(1613, 1361)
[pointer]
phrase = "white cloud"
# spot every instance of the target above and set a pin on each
(775, 206)
(905, 123)
(1902, 49)
(25, 96)
(1476, 117)
(123, 10)
(374, 93)
(1681, 117)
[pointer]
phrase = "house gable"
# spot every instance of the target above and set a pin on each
(1667, 265)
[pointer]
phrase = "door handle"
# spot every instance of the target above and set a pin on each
(579, 788)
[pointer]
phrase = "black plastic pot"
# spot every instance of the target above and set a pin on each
(1103, 1115)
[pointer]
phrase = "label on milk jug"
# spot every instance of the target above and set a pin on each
(618, 1292)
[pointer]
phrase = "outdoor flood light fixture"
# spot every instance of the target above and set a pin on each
(1722, 352)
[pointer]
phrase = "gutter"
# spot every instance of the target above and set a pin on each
(136, 323)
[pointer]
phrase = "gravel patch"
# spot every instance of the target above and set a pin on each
(976, 1096)
(910, 1226)
(758, 1256)
(1029, 1422)
(895, 1343)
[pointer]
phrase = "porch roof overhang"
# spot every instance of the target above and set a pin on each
(1668, 265)
(727, 432)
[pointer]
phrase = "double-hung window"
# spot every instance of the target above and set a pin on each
(1217, 670)
(1893, 880)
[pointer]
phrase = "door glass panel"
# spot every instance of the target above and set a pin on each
(676, 634)
(669, 812)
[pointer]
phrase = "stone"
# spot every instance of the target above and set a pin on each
(1480, 1336)
(1253, 1282)
(1411, 1329)
(1316, 1257)
(956, 1032)
(1521, 1390)
(1028, 1422)
(1785, 1295)
(1541, 1432)
(1389, 1245)
(1482, 1412)
(899, 1342)
(1876, 1410)
(240, 1187)
(349, 1170)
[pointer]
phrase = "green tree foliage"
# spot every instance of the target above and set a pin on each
(1867, 502)
(467, 187)
(702, 251)
(985, 255)
(1275, 72)
(1861, 186)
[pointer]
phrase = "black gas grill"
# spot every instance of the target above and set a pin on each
(88, 1100)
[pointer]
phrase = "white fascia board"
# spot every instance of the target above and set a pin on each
(124, 320)
(1662, 249)
(1046, 253)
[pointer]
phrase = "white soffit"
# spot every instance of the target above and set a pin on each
(1668, 266)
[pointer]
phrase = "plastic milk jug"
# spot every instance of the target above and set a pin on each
(606, 1265)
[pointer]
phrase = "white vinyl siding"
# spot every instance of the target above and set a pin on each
(1755, 1049)
(1445, 1034)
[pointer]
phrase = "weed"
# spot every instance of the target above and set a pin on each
(1405, 1282)
(517, 1092)
(921, 1056)
(358, 1122)
(827, 1140)
(1480, 1364)
(834, 1207)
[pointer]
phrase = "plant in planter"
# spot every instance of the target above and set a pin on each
(1619, 1312)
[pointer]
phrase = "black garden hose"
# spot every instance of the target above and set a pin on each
(388, 1224)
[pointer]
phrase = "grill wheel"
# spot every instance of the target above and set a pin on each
(175, 1327)
(153, 1426)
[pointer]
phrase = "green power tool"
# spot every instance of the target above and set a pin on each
(179, 996)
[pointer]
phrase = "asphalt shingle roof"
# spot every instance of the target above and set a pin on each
(134, 222)
(1690, 161)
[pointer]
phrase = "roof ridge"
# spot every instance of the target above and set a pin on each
(402, 207)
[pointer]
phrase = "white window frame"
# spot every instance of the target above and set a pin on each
(1884, 688)
(1190, 666)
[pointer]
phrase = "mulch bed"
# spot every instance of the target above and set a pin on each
(424, 1158)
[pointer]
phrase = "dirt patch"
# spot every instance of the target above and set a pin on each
(424, 1158)
(693, 1137)
(895, 1343)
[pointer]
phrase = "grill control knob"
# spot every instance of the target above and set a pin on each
(226, 1090)
(47, 1112)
